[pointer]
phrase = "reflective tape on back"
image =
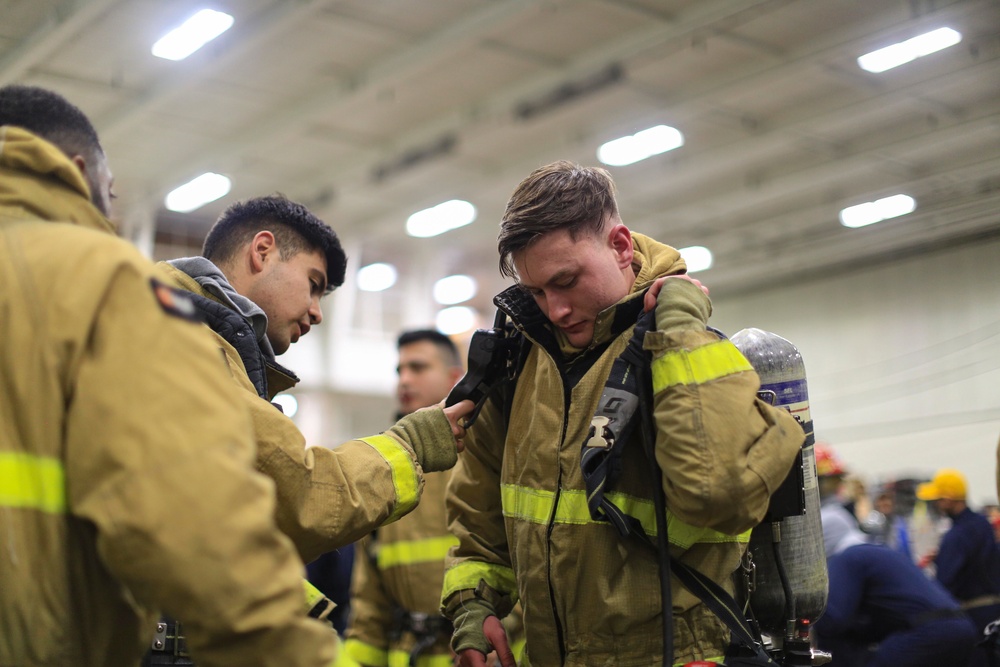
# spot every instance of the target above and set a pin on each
(409, 552)
(537, 506)
(703, 364)
(404, 473)
(32, 482)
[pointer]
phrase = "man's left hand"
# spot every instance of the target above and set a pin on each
(649, 301)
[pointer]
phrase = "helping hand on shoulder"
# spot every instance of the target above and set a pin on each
(649, 301)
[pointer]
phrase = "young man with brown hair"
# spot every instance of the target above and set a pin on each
(518, 501)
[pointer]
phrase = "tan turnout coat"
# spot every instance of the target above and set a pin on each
(126, 481)
(517, 501)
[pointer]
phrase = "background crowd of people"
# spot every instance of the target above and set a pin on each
(914, 570)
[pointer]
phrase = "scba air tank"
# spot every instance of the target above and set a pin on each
(797, 536)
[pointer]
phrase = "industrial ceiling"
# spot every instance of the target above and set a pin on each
(369, 110)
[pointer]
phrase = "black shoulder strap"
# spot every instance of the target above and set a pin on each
(616, 417)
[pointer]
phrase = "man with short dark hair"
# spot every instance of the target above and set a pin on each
(268, 262)
(298, 236)
(398, 569)
(125, 451)
(519, 502)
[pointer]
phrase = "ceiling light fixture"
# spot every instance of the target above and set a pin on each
(441, 218)
(641, 145)
(876, 211)
(376, 277)
(196, 193)
(191, 35)
(454, 289)
(697, 258)
(455, 320)
(901, 53)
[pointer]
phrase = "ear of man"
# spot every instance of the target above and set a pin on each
(262, 249)
(620, 240)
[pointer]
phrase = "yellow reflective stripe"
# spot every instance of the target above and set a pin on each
(709, 362)
(313, 595)
(466, 576)
(517, 648)
(520, 502)
(408, 552)
(536, 506)
(32, 482)
(399, 658)
(366, 654)
(404, 473)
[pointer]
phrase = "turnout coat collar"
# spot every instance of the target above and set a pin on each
(38, 181)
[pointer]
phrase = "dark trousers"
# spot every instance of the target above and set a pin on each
(942, 642)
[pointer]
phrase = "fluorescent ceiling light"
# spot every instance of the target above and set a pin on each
(198, 192)
(191, 35)
(376, 277)
(640, 145)
(697, 258)
(455, 320)
(877, 211)
(913, 48)
(289, 404)
(441, 218)
(454, 289)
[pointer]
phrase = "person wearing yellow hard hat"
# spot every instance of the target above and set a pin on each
(968, 560)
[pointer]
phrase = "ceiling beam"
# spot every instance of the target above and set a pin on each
(64, 22)
(244, 39)
(498, 108)
(436, 46)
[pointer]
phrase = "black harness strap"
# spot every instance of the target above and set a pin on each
(616, 417)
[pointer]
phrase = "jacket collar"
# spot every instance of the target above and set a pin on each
(38, 181)
(278, 377)
(651, 260)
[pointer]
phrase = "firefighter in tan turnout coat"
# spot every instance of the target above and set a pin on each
(110, 402)
(518, 502)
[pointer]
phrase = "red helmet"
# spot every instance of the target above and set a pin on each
(827, 463)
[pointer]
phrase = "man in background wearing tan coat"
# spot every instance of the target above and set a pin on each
(112, 402)
(398, 569)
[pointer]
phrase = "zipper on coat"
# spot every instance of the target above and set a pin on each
(560, 638)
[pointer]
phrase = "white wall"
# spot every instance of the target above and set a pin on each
(903, 361)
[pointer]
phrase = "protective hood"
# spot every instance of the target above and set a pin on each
(37, 180)
(652, 260)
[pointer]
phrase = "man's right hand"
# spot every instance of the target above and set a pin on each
(424, 431)
(496, 636)
(455, 413)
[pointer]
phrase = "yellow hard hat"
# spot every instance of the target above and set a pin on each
(947, 483)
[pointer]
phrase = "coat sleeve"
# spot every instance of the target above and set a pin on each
(328, 498)
(371, 610)
(723, 452)
(475, 517)
(159, 461)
